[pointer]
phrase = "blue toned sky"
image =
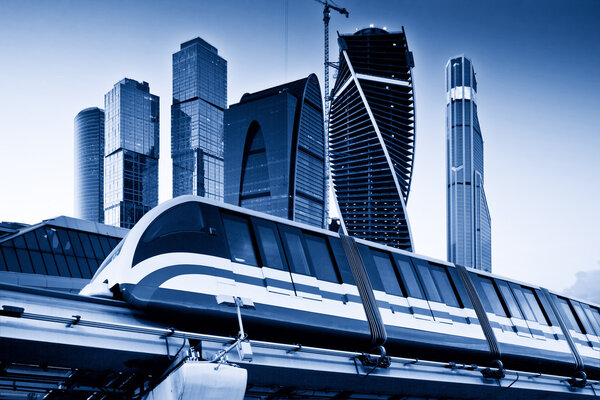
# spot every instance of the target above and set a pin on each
(539, 102)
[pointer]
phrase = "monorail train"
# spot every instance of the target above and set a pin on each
(189, 259)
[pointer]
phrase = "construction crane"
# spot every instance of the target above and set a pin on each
(329, 5)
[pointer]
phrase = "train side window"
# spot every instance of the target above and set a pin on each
(488, 291)
(463, 296)
(367, 258)
(536, 305)
(509, 299)
(269, 244)
(189, 227)
(431, 291)
(567, 311)
(582, 317)
(239, 239)
(386, 272)
(320, 256)
(294, 248)
(526, 304)
(594, 317)
(340, 259)
(411, 282)
(442, 281)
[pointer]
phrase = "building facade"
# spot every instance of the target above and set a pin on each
(468, 218)
(89, 164)
(199, 100)
(131, 152)
(275, 152)
(372, 135)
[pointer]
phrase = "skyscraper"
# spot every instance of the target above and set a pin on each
(89, 164)
(275, 152)
(468, 217)
(372, 135)
(199, 99)
(131, 152)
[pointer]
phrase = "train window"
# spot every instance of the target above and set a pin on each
(567, 311)
(239, 239)
(444, 286)
(431, 291)
(509, 299)
(387, 273)
(534, 302)
(292, 242)
(594, 317)
(411, 282)
(488, 292)
(524, 303)
(187, 228)
(582, 317)
(321, 258)
(367, 258)
(460, 288)
(270, 247)
(340, 259)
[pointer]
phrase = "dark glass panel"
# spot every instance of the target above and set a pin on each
(19, 243)
(50, 264)
(10, 256)
(84, 267)
(31, 241)
(74, 268)
(340, 259)
(24, 260)
(270, 247)
(65, 241)
(106, 249)
(61, 264)
(239, 239)
(411, 282)
(509, 299)
(444, 286)
(582, 317)
(488, 292)
(94, 264)
(186, 228)
(369, 263)
(42, 239)
(321, 258)
(76, 243)
(38, 262)
(431, 291)
(386, 272)
(53, 240)
(569, 315)
(113, 242)
(87, 245)
(294, 248)
(2, 262)
(97, 247)
(595, 315)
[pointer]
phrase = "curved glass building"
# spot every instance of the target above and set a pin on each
(468, 217)
(275, 152)
(89, 164)
(372, 135)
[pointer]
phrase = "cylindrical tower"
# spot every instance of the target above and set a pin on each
(89, 164)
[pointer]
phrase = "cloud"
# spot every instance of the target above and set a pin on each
(587, 286)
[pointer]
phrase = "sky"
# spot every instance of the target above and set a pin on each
(538, 102)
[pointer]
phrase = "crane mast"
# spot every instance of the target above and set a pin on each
(327, 98)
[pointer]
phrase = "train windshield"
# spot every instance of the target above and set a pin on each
(187, 228)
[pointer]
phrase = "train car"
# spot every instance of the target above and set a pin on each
(193, 262)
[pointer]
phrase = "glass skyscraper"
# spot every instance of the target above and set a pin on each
(372, 135)
(199, 99)
(275, 152)
(131, 152)
(468, 217)
(89, 164)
